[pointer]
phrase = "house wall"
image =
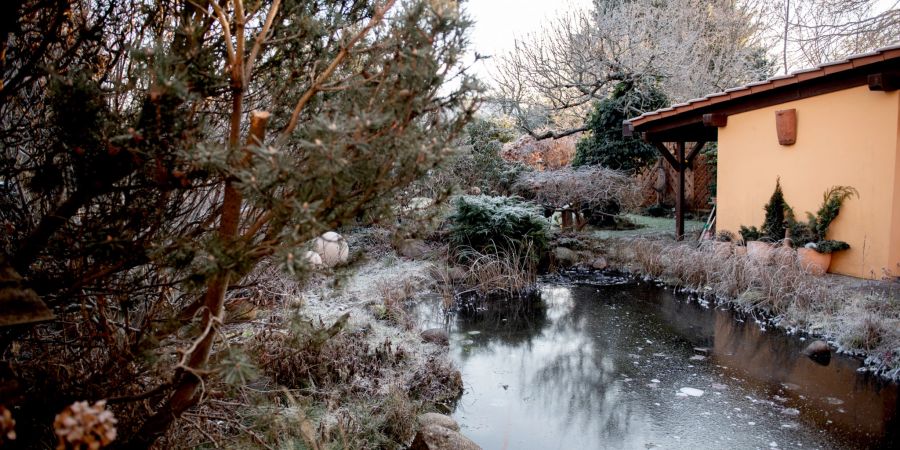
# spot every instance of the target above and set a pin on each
(849, 137)
(894, 256)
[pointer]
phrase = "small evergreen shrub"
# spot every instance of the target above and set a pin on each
(480, 164)
(830, 246)
(778, 216)
(658, 211)
(812, 233)
(498, 225)
(773, 227)
(831, 206)
(750, 233)
(815, 229)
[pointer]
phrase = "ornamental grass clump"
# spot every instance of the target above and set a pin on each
(507, 274)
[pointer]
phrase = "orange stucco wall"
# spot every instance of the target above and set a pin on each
(850, 137)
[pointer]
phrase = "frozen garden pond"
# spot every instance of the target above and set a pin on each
(633, 366)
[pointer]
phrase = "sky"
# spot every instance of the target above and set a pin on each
(499, 22)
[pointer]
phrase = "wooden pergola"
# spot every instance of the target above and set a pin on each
(698, 121)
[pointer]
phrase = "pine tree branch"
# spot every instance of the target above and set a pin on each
(261, 38)
(341, 56)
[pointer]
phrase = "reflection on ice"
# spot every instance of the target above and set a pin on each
(582, 368)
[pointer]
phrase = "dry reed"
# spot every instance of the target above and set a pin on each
(857, 320)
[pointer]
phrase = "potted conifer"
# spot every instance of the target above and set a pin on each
(759, 241)
(813, 249)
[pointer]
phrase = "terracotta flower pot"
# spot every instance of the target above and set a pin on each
(760, 251)
(786, 126)
(812, 261)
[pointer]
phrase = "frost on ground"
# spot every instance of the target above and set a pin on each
(329, 360)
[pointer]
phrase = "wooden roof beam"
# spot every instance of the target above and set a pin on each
(885, 82)
(717, 120)
(667, 155)
(695, 150)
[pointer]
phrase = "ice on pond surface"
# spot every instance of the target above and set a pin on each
(693, 392)
(571, 354)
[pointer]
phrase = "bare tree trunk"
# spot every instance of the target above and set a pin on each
(189, 376)
(787, 22)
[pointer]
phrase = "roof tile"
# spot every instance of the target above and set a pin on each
(797, 76)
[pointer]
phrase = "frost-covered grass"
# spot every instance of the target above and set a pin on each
(506, 273)
(861, 321)
(331, 362)
(647, 226)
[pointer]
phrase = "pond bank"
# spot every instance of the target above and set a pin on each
(331, 360)
(855, 317)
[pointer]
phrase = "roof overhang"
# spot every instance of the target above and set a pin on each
(699, 119)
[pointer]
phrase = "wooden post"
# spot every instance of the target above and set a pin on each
(679, 194)
(580, 220)
(567, 220)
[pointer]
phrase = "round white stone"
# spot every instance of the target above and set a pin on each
(333, 249)
(313, 258)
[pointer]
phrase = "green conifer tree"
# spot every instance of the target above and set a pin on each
(777, 212)
(605, 144)
(153, 153)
